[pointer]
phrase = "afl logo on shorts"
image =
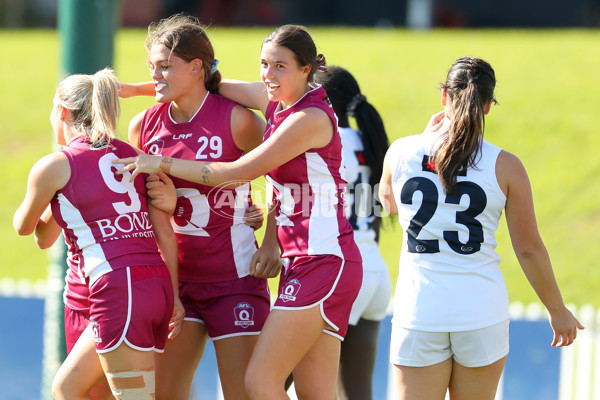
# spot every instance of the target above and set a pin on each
(96, 330)
(244, 315)
(290, 290)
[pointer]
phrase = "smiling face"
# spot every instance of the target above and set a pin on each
(173, 77)
(285, 80)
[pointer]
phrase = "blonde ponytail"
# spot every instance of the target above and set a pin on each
(105, 106)
(93, 101)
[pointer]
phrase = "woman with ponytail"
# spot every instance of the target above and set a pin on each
(363, 152)
(301, 157)
(225, 298)
(449, 187)
(119, 298)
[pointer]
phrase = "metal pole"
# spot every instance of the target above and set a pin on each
(86, 29)
(419, 14)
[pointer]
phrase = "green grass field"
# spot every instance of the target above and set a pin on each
(548, 85)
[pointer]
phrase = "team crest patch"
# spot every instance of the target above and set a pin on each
(244, 315)
(96, 330)
(290, 290)
(155, 146)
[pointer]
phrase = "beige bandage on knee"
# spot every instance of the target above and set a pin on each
(132, 385)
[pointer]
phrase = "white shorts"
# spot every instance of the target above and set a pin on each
(376, 290)
(373, 298)
(476, 348)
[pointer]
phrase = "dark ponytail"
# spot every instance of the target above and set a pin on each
(212, 80)
(347, 101)
(469, 87)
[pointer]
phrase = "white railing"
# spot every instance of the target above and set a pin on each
(580, 362)
(577, 367)
(23, 288)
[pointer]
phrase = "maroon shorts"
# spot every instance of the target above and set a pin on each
(75, 323)
(77, 292)
(134, 305)
(229, 308)
(324, 280)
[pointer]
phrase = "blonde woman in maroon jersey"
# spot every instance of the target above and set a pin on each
(112, 234)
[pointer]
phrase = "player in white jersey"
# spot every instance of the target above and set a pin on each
(112, 234)
(363, 152)
(449, 187)
(301, 155)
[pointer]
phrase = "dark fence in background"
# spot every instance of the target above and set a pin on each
(392, 13)
(517, 13)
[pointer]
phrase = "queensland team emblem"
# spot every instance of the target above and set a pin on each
(290, 290)
(244, 315)
(155, 146)
(96, 330)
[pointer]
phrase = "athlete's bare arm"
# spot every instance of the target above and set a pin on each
(47, 176)
(247, 128)
(134, 130)
(300, 132)
(529, 247)
(266, 262)
(47, 230)
(136, 89)
(167, 244)
(249, 94)
(386, 196)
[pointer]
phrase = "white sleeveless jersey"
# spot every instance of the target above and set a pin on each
(359, 199)
(359, 207)
(448, 278)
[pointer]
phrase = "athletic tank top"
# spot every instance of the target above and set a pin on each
(360, 205)
(448, 278)
(309, 191)
(214, 243)
(104, 217)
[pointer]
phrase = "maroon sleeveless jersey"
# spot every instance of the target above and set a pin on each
(104, 217)
(214, 242)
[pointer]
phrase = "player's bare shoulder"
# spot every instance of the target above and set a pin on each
(510, 171)
(52, 169)
(246, 128)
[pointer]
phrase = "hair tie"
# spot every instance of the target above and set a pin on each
(356, 100)
(320, 68)
(214, 66)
